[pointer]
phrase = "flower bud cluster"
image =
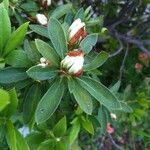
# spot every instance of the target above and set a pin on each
(73, 62)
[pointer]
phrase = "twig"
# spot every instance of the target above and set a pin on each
(102, 142)
(123, 63)
(118, 51)
(113, 142)
(128, 39)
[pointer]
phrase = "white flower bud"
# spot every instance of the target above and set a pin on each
(49, 2)
(73, 62)
(42, 19)
(45, 3)
(76, 30)
(113, 116)
(43, 62)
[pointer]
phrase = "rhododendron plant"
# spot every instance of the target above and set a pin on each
(62, 85)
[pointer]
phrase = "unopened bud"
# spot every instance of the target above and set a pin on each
(45, 3)
(43, 62)
(113, 116)
(42, 19)
(138, 67)
(143, 57)
(76, 31)
(110, 128)
(73, 62)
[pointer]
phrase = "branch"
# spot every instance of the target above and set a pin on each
(113, 142)
(119, 49)
(123, 63)
(130, 40)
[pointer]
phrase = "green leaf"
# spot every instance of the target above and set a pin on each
(12, 75)
(41, 30)
(30, 103)
(21, 142)
(41, 73)
(102, 118)
(4, 99)
(31, 51)
(125, 107)
(100, 92)
(11, 135)
(61, 11)
(60, 128)
(16, 38)
(61, 145)
(34, 139)
(80, 14)
(18, 58)
(49, 102)
(5, 27)
(57, 36)
(82, 97)
(6, 4)
(87, 125)
(30, 6)
(97, 61)
(88, 42)
(87, 11)
(48, 52)
(114, 89)
(46, 145)
(75, 129)
(98, 21)
(12, 107)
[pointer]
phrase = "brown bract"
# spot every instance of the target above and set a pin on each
(79, 35)
(75, 53)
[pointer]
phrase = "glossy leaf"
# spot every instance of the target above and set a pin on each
(80, 14)
(49, 102)
(21, 142)
(4, 99)
(31, 51)
(125, 107)
(75, 129)
(61, 10)
(34, 139)
(39, 30)
(82, 97)
(47, 52)
(61, 145)
(18, 58)
(100, 92)
(60, 128)
(97, 61)
(87, 125)
(12, 107)
(102, 118)
(46, 145)
(12, 75)
(11, 135)
(6, 4)
(57, 37)
(16, 38)
(30, 102)
(41, 73)
(114, 89)
(5, 27)
(88, 42)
